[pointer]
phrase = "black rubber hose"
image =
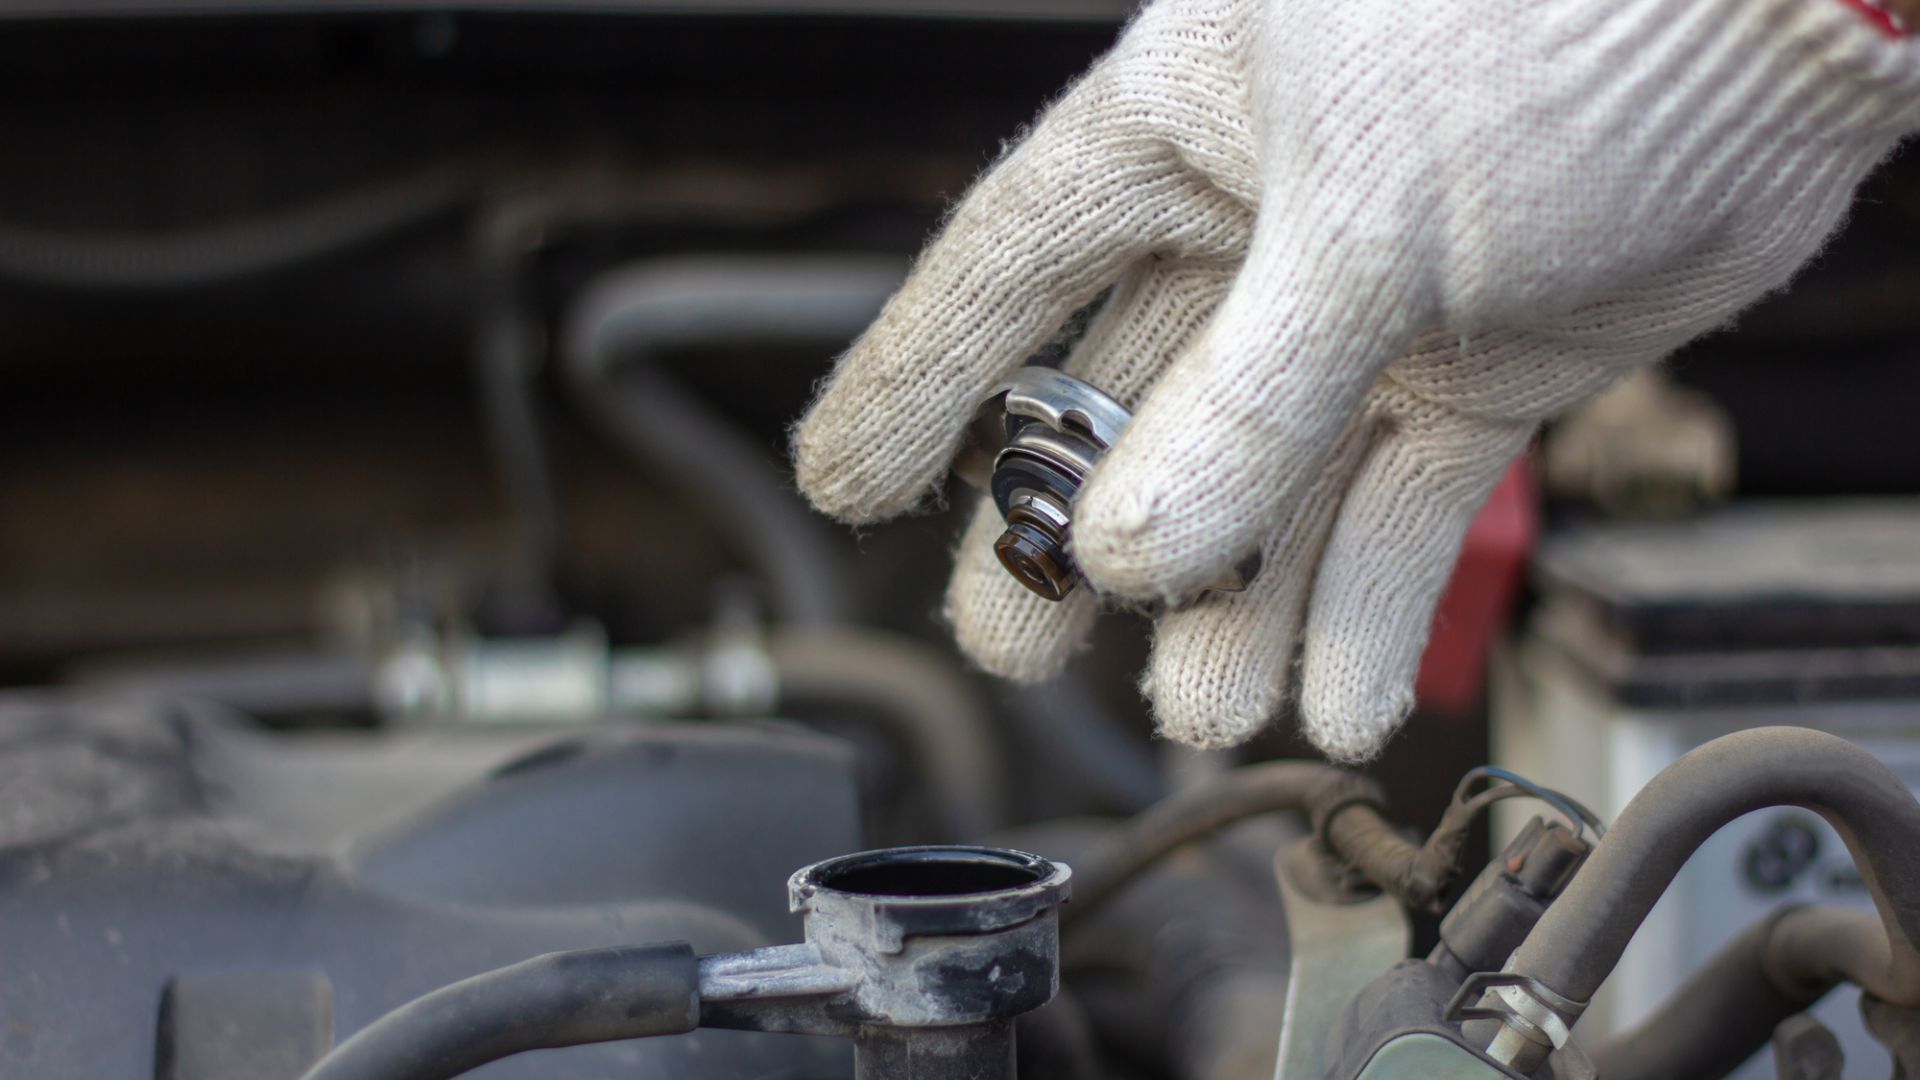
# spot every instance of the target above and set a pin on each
(1578, 943)
(1417, 875)
(1215, 976)
(231, 250)
(1186, 816)
(560, 999)
(1202, 988)
(614, 339)
(1723, 1015)
(508, 349)
(1344, 806)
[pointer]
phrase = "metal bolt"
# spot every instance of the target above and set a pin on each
(1034, 550)
(1033, 444)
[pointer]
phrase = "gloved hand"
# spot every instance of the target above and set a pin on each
(1359, 250)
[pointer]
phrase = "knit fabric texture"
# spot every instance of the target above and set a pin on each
(1358, 251)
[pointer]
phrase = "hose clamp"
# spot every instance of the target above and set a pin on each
(1534, 1019)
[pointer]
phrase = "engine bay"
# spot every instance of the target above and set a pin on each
(401, 578)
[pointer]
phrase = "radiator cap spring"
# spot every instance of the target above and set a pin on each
(1034, 441)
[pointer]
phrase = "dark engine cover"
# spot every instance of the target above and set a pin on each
(185, 898)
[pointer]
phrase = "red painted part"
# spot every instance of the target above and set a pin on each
(1479, 599)
(1879, 16)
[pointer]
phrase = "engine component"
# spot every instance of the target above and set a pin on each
(1348, 817)
(614, 338)
(1337, 941)
(551, 1001)
(1493, 916)
(1342, 927)
(1805, 1049)
(1896, 1027)
(922, 956)
(162, 865)
(734, 671)
(1577, 943)
(241, 897)
(1178, 987)
(1427, 1056)
(1034, 442)
(1732, 996)
(1516, 1020)
(1408, 1022)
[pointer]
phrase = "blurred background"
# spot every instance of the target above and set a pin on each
(365, 366)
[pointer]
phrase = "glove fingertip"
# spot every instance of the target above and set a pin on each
(1354, 733)
(1182, 497)
(999, 625)
(848, 502)
(1190, 709)
(1004, 644)
(836, 467)
(1129, 544)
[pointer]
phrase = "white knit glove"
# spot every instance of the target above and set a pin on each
(1359, 250)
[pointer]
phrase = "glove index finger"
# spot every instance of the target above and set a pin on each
(1038, 237)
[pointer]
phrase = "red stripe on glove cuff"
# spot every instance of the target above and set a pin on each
(1878, 16)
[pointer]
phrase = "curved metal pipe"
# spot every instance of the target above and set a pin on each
(623, 324)
(1578, 943)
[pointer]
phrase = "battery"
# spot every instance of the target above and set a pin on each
(1650, 639)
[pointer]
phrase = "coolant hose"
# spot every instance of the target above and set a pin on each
(1728, 1009)
(1345, 808)
(1724, 1013)
(1579, 941)
(235, 249)
(614, 338)
(560, 999)
(1201, 987)
(1183, 817)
